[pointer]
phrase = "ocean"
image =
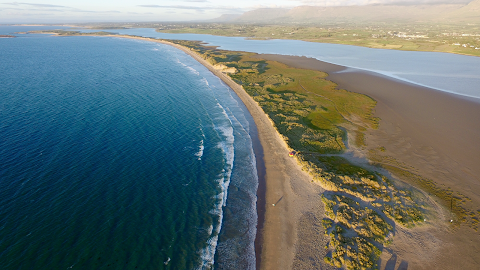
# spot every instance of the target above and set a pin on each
(121, 154)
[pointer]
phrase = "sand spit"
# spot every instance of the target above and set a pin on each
(287, 186)
(434, 134)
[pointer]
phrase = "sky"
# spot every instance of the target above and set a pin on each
(67, 11)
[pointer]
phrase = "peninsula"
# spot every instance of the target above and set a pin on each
(362, 190)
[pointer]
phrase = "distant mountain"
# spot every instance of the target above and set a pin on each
(225, 18)
(469, 13)
(365, 14)
(262, 15)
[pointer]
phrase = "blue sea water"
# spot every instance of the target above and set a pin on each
(458, 74)
(121, 154)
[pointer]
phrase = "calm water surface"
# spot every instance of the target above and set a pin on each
(453, 73)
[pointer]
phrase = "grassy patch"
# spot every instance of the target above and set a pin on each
(450, 38)
(354, 232)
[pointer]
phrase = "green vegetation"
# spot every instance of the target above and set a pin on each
(456, 202)
(71, 33)
(313, 116)
(338, 175)
(307, 110)
(354, 232)
(461, 39)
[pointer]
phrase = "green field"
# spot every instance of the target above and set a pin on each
(460, 39)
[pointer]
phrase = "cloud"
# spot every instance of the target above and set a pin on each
(381, 2)
(30, 7)
(198, 9)
(94, 11)
(28, 14)
(33, 5)
(416, 2)
(36, 9)
(172, 6)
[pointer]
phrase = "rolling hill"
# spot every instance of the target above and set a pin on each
(364, 14)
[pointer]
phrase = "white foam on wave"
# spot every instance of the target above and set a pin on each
(206, 82)
(225, 131)
(199, 154)
(194, 71)
(201, 147)
(226, 123)
(245, 178)
(235, 103)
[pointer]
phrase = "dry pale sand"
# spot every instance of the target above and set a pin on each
(437, 135)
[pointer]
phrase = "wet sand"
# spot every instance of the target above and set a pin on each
(433, 124)
(435, 134)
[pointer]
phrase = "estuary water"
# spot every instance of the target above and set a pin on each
(120, 154)
(458, 74)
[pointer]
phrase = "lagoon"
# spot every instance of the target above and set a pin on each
(458, 74)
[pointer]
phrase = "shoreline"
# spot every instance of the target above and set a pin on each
(258, 145)
(409, 134)
(433, 132)
(268, 248)
(287, 188)
(272, 148)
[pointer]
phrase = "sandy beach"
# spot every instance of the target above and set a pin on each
(435, 134)
(293, 207)
(287, 187)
